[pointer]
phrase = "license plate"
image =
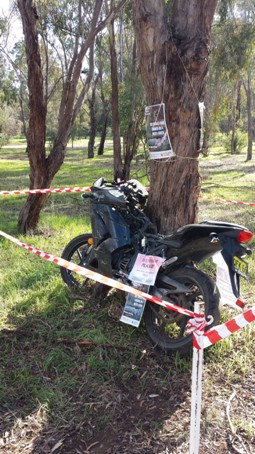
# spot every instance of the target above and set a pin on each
(241, 267)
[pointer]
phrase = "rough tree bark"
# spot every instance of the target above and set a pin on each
(235, 115)
(248, 92)
(43, 167)
(104, 122)
(173, 54)
(104, 116)
(93, 119)
(36, 133)
(117, 161)
(131, 139)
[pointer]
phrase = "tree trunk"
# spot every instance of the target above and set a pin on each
(248, 92)
(235, 115)
(206, 139)
(233, 138)
(173, 64)
(93, 121)
(100, 150)
(131, 140)
(105, 112)
(117, 161)
(131, 144)
(43, 168)
(21, 103)
(36, 132)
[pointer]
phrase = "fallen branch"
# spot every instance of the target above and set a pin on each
(15, 332)
(233, 430)
(90, 343)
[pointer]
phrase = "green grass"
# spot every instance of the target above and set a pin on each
(228, 176)
(48, 381)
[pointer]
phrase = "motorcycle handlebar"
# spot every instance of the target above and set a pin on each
(85, 196)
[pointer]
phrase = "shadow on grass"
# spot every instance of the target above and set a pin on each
(61, 396)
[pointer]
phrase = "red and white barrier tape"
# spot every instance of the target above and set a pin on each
(196, 324)
(218, 199)
(99, 277)
(46, 191)
(87, 188)
(222, 331)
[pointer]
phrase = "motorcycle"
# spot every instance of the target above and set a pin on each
(121, 230)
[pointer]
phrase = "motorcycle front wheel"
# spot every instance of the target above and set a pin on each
(77, 251)
(166, 328)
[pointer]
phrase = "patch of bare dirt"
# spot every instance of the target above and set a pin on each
(148, 413)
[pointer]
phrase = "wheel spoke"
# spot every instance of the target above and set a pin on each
(79, 255)
(183, 325)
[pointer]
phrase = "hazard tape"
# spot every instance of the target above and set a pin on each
(46, 191)
(217, 333)
(99, 277)
(196, 324)
(218, 199)
(87, 188)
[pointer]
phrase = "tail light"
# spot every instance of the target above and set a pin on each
(240, 303)
(244, 236)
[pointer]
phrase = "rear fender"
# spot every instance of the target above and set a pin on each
(231, 248)
(193, 250)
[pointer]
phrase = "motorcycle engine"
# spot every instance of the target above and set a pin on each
(123, 261)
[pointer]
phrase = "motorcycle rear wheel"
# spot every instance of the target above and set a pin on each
(167, 328)
(77, 251)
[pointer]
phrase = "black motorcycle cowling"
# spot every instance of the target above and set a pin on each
(196, 242)
(121, 231)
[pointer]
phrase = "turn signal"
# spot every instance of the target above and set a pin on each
(244, 236)
(90, 240)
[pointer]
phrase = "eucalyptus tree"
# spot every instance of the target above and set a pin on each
(248, 17)
(9, 119)
(102, 61)
(127, 100)
(131, 95)
(93, 117)
(233, 60)
(104, 114)
(173, 41)
(68, 29)
(117, 159)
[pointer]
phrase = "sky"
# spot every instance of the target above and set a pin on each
(15, 28)
(4, 6)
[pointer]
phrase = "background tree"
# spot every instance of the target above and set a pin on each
(104, 115)
(248, 90)
(127, 100)
(173, 50)
(230, 79)
(75, 24)
(104, 91)
(9, 117)
(131, 95)
(93, 117)
(117, 158)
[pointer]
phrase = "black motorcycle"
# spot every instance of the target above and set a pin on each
(121, 231)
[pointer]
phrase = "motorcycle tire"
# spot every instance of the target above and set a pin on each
(77, 251)
(166, 328)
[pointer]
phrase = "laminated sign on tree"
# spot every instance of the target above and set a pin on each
(157, 133)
